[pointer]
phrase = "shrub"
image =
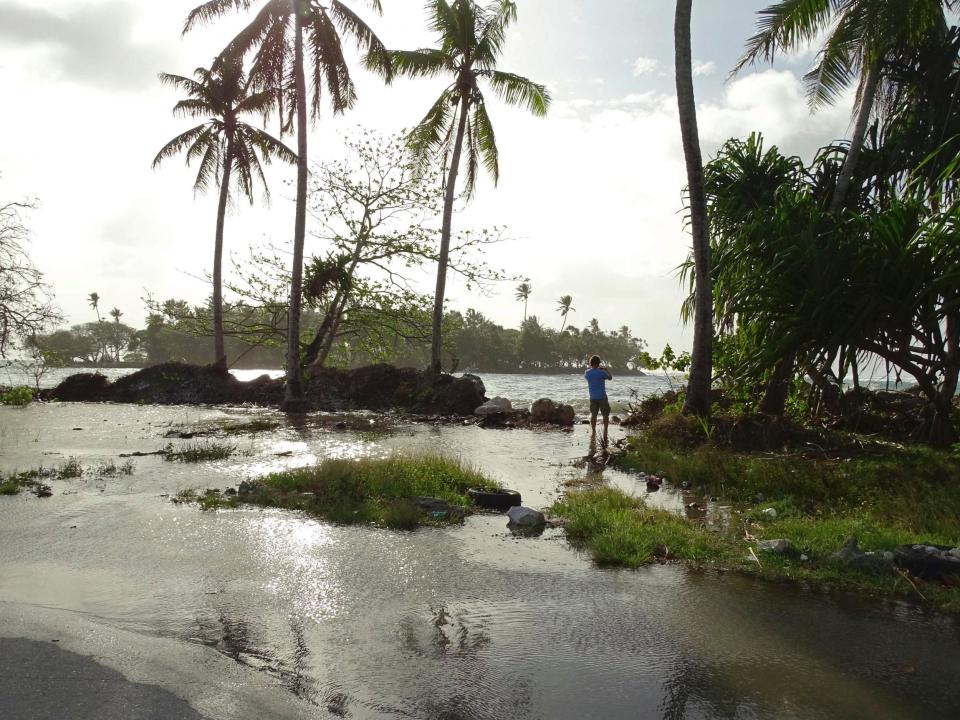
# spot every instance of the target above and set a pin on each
(18, 396)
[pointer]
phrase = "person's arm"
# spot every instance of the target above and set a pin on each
(609, 374)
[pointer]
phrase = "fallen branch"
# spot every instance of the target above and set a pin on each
(907, 578)
(754, 556)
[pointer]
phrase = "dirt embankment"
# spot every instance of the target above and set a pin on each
(376, 387)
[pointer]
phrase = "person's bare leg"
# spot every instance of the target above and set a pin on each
(593, 423)
(606, 428)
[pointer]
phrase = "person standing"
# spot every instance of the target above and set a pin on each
(597, 376)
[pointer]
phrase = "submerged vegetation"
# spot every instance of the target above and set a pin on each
(198, 452)
(18, 396)
(35, 480)
(394, 492)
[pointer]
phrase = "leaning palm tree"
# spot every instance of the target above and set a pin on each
(862, 37)
(471, 40)
(225, 145)
(565, 307)
(523, 292)
(285, 36)
(697, 400)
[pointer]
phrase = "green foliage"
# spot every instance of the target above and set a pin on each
(69, 469)
(9, 487)
(199, 452)
(18, 396)
(371, 490)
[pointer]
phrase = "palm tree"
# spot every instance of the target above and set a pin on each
(224, 145)
(697, 399)
(862, 36)
(94, 300)
(471, 40)
(116, 314)
(277, 36)
(523, 292)
(565, 307)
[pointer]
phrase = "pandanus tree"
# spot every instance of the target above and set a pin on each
(289, 40)
(523, 292)
(225, 146)
(565, 307)
(697, 400)
(862, 37)
(471, 41)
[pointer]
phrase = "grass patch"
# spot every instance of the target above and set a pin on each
(112, 469)
(17, 397)
(199, 452)
(376, 491)
(886, 497)
(9, 487)
(249, 427)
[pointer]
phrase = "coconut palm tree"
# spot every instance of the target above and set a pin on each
(862, 36)
(523, 292)
(284, 36)
(565, 307)
(225, 146)
(697, 400)
(94, 300)
(471, 40)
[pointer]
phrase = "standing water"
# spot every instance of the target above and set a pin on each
(254, 613)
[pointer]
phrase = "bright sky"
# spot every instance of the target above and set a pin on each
(591, 194)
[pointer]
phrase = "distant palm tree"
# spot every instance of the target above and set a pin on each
(565, 307)
(697, 400)
(116, 314)
(225, 145)
(471, 40)
(523, 292)
(860, 37)
(282, 36)
(94, 300)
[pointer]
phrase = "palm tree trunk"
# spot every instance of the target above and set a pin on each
(219, 352)
(293, 396)
(870, 84)
(436, 345)
(698, 399)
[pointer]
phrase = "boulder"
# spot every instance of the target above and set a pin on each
(770, 513)
(779, 546)
(927, 560)
(524, 517)
(549, 412)
(850, 555)
(478, 383)
(494, 406)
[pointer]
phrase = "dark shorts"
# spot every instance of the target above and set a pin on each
(600, 406)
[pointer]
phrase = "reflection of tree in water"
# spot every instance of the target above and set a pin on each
(465, 689)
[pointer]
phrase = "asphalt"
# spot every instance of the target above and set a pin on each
(41, 681)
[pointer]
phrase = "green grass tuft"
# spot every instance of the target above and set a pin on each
(199, 452)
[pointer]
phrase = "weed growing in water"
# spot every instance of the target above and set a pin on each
(70, 469)
(199, 452)
(17, 397)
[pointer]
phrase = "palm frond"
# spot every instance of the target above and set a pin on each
(426, 62)
(269, 146)
(784, 26)
(836, 67)
(209, 169)
(485, 140)
(329, 64)
(211, 10)
(434, 130)
(517, 90)
(376, 55)
(178, 144)
(494, 32)
(473, 160)
(193, 108)
(258, 103)
(188, 85)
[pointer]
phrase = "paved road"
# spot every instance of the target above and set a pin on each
(40, 681)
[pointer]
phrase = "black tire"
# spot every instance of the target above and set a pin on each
(501, 500)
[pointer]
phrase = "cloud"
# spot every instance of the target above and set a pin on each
(91, 44)
(704, 68)
(644, 66)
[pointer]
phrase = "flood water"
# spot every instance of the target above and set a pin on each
(264, 613)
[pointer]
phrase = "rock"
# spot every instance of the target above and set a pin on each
(478, 383)
(927, 560)
(82, 387)
(44, 491)
(758, 498)
(616, 419)
(780, 546)
(494, 406)
(803, 557)
(547, 411)
(524, 517)
(853, 557)
(432, 505)
(770, 513)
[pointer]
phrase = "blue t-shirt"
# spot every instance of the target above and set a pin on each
(596, 381)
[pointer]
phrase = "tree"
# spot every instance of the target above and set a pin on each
(277, 36)
(224, 145)
(697, 400)
(94, 300)
(471, 40)
(565, 307)
(523, 292)
(862, 38)
(26, 301)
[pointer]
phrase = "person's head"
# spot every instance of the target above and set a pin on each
(595, 361)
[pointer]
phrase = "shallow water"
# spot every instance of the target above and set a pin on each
(463, 622)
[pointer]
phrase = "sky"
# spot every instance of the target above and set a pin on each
(590, 195)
